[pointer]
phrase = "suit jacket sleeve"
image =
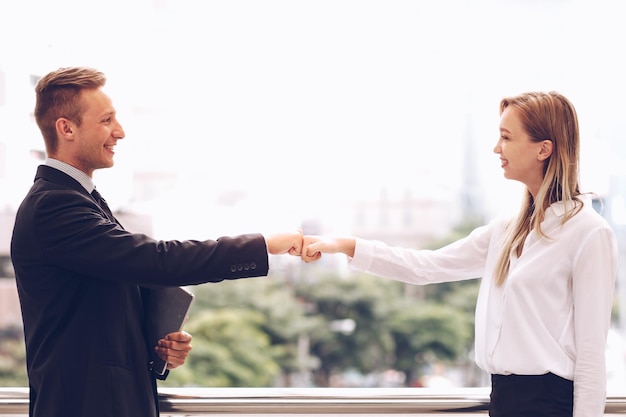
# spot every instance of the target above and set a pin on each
(70, 230)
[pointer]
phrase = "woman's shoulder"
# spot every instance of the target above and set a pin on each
(593, 210)
(590, 217)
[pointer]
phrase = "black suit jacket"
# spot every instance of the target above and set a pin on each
(79, 276)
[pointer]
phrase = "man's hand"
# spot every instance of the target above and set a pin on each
(290, 243)
(174, 348)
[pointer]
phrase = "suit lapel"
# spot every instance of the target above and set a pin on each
(47, 173)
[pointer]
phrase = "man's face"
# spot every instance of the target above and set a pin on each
(96, 137)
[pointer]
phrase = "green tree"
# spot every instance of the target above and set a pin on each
(12, 358)
(230, 349)
(455, 300)
(425, 331)
(365, 301)
(273, 319)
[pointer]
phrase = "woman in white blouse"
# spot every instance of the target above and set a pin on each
(544, 305)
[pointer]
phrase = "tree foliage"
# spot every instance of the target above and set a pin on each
(230, 348)
(12, 358)
(311, 321)
(363, 301)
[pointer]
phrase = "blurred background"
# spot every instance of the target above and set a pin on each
(373, 118)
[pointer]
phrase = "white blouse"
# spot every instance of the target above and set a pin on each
(552, 314)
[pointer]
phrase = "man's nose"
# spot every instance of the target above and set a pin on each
(119, 132)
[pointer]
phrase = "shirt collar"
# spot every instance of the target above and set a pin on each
(73, 172)
(560, 208)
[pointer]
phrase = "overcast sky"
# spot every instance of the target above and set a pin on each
(310, 103)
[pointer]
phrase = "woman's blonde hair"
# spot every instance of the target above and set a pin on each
(544, 116)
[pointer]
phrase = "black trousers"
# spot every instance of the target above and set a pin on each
(546, 395)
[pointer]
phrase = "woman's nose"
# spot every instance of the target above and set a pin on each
(497, 148)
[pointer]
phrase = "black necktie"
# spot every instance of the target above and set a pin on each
(103, 204)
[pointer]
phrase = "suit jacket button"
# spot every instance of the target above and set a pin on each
(246, 266)
(239, 267)
(233, 268)
(252, 265)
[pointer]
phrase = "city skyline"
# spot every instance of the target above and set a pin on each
(304, 105)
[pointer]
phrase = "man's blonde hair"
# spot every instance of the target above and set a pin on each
(58, 95)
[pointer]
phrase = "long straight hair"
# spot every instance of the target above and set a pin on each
(544, 116)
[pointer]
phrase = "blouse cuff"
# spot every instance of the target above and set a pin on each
(363, 255)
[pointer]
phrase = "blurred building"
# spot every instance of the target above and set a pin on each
(406, 217)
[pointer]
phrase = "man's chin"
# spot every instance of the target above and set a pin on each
(106, 165)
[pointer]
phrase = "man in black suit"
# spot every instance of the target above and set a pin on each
(80, 274)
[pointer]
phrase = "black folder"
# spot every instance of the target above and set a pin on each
(165, 312)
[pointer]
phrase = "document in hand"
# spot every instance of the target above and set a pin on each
(166, 310)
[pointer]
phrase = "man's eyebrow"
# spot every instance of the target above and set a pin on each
(107, 113)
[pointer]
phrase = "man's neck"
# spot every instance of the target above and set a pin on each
(80, 176)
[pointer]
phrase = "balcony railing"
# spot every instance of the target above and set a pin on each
(311, 401)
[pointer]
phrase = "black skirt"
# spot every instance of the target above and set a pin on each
(546, 395)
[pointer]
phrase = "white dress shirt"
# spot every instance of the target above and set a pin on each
(552, 314)
(75, 173)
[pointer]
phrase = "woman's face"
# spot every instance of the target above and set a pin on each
(522, 159)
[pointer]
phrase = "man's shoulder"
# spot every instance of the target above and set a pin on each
(52, 176)
(57, 189)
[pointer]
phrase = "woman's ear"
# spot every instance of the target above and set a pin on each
(545, 151)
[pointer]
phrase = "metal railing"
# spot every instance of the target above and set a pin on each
(321, 401)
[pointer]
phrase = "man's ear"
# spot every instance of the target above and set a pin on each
(65, 128)
(545, 151)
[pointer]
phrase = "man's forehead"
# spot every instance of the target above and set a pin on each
(97, 100)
